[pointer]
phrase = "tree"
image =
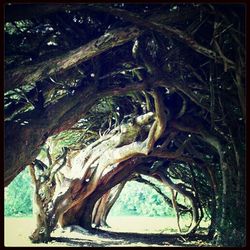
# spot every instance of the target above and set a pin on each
(145, 89)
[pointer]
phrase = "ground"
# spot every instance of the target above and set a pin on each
(125, 231)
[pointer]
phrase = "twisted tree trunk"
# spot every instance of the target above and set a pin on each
(76, 180)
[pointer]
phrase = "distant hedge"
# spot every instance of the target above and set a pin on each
(18, 196)
(139, 199)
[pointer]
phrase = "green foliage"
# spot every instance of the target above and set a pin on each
(140, 199)
(10, 28)
(18, 196)
(17, 27)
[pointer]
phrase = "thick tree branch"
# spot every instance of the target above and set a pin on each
(62, 115)
(165, 29)
(30, 74)
(52, 122)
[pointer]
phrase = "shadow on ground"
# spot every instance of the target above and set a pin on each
(75, 236)
(101, 238)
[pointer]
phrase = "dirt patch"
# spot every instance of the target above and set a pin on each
(133, 231)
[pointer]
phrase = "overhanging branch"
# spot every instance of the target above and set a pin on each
(166, 30)
(31, 74)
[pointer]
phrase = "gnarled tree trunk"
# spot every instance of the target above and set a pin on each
(76, 181)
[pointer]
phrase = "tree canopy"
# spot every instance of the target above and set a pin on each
(96, 95)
